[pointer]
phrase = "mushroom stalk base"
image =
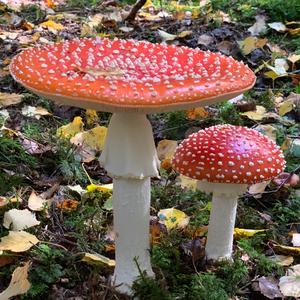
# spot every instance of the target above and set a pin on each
(131, 202)
(222, 218)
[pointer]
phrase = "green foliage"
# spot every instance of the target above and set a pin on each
(264, 266)
(286, 212)
(68, 165)
(176, 124)
(88, 221)
(207, 286)
(9, 182)
(234, 274)
(83, 3)
(148, 288)
(32, 13)
(277, 10)
(266, 100)
(229, 114)
(12, 152)
(32, 130)
(47, 269)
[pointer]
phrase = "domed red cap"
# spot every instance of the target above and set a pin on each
(129, 75)
(229, 154)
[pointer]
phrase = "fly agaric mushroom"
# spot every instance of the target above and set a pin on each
(130, 79)
(225, 159)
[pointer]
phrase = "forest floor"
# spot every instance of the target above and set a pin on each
(53, 188)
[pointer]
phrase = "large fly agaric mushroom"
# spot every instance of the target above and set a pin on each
(225, 159)
(130, 79)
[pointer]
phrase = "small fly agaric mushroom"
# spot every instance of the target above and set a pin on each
(225, 159)
(130, 79)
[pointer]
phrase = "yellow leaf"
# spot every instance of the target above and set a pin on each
(19, 283)
(148, 4)
(89, 142)
(172, 217)
(97, 259)
(9, 99)
(286, 107)
(248, 45)
(256, 115)
(294, 31)
(102, 188)
(91, 116)
(52, 25)
(70, 129)
(242, 233)
(287, 249)
(18, 241)
(271, 74)
(187, 182)
(165, 149)
(93, 138)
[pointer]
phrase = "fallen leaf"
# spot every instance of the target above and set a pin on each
(68, 205)
(258, 188)
(205, 40)
(172, 217)
(52, 25)
(165, 36)
(19, 219)
(287, 249)
(103, 188)
(19, 283)
(187, 182)
(259, 26)
(251, 43)
(91, 116)
(278, 26)
(18, 241)
(285, 107)
(268, 130)
(9, 99)
(240, 233)
(269, 287)
(282, 260)
(97, 259)
(293, 58)
(36, 203)
(166, 149)
(256, 115)
(89, 142)
(290, 284)
(69, 130)
(197, 113)
(296, 239)
(37, 112)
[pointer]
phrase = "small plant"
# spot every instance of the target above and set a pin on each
(207, 286)
(264, 266)
(148, 288)
(229, 114)
(47, 269)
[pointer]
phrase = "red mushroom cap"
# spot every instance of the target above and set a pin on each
(229, 154)
(130, 75)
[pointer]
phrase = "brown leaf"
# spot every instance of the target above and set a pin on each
(269, 287)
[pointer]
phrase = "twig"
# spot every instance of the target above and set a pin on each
(137, 6)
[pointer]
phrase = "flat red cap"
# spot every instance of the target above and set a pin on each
(114, 75)
(229, 154)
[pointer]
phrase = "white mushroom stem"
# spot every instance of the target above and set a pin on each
(222, 218)
(129, 156)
